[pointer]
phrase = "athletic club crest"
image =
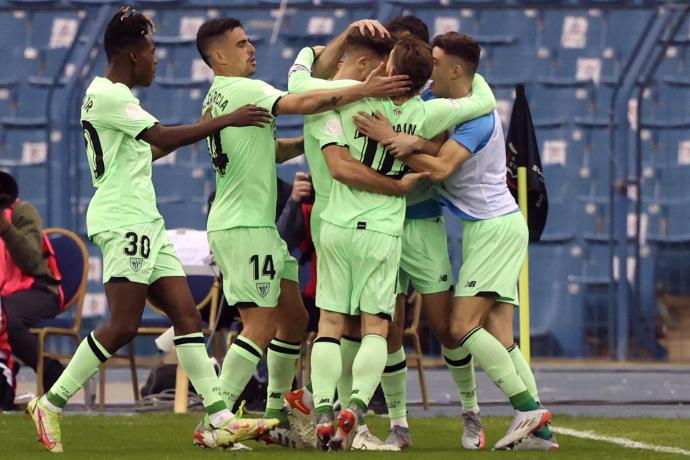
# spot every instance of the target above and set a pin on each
(396, 112)
(263, 288)
(135, 263)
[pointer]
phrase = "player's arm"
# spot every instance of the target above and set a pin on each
(357, 175)
(168, 138)
(327, 64)
(450, 157)
(378, 128)
(375, 86)
(301, 80)
(446, 113)
(289, 148)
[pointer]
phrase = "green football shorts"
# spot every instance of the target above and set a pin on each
(424, 259)
(358, 271)
(140, 253)
(493, 252)
(252, 260)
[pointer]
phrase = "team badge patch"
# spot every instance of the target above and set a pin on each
(136, 263)
(263, 288)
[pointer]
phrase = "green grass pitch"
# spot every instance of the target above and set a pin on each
(167, 436)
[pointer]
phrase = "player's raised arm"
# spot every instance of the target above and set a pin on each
(375, 86)
(327, 63)
(168, 138)
(301, 80)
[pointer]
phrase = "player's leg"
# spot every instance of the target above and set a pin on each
(333, 297)
(493, 252)
(125, 289)
(499, 323)
(394, 377)
(284, 350)
(349, 346)
(247, 258)
(377, 259)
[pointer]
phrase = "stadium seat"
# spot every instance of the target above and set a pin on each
(73, 263)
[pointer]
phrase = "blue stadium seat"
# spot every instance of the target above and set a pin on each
(518, 23)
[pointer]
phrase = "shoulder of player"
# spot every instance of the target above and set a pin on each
(485, 124)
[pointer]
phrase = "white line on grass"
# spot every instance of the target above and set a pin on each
(625, 442)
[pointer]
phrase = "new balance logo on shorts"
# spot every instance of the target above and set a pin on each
(443, 278)
(470, 284)
(263, 288)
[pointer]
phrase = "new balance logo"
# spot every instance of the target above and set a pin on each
(470, 284)
(443, 278)
(325, 401)
(354, 392)
(275, 395)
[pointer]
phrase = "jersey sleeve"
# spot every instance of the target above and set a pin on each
(445, 113)
(260, 93)
(474, 134)
(327, 129)
(300, 79)
(121, 112)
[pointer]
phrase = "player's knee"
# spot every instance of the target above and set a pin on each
(124, 333)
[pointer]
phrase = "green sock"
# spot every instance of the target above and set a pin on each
(193, 357)
(461, 367)
(394, 384)
(238, 367)
(349, 346)
(84, 364)
(326, 366)
(527, 376)
(524, 371)
(496, 362)
(282, 358)
(368, 368)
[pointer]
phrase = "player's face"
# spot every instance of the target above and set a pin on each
(441, 75)
(145, 67)
(240, 53)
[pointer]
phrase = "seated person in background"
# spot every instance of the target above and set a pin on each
(294, 227)
(29, 289)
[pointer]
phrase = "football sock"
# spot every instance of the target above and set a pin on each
(367, 369)
(238, 367)
(193, 357)
(349, 346)
(524, 371)
(461, 367)
(394, 384)
(83, 365)
(281, 359)
(496, 362)
(326, 366)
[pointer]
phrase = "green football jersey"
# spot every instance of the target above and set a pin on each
(352, 208)
(300, 81)
(120, 162)
(244, 158)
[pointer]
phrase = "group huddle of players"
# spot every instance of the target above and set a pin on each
(394, 128)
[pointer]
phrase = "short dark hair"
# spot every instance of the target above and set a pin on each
(461, 46)
(412, 24)
(210, 30)
(126, 29)
(412, 57)
(375, 43)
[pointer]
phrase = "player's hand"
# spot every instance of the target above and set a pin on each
(401, 145)
(378, 85)
(302, 187)
(318, 49)
(208, 115)
(248, 115)
(372, 25)
(409, 180)
(375, 127)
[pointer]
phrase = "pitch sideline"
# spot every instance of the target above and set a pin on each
(624, 442)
